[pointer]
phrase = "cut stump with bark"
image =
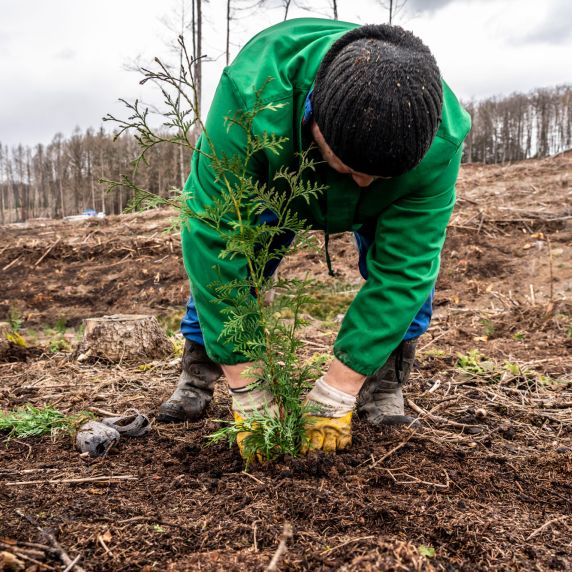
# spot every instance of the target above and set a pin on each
(4, 331)
(123, 338)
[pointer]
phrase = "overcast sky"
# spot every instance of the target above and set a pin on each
(63, 62)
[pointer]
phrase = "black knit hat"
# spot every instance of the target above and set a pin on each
(377, 99)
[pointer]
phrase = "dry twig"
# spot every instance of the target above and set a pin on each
(63, 555)
(65, 481)
(282, 547)
(546, 525)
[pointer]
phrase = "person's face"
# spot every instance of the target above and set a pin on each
(360, 179)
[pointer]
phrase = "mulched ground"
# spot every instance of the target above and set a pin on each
(485, 485)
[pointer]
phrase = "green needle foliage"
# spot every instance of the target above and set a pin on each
(30, 421)
(257, 329)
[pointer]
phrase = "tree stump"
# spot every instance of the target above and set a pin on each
(124, 338)
(4, 331)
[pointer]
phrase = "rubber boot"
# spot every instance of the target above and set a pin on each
(380, 400)
(195, 389)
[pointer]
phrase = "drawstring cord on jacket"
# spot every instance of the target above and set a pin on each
(328, 259)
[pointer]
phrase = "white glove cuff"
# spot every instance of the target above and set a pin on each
(329, 401)
(246, 401)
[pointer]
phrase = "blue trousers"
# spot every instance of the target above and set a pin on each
(191, 329)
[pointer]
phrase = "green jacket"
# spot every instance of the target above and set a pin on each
(410, 212)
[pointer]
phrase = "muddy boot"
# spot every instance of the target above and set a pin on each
(195, 388)
(380, 400)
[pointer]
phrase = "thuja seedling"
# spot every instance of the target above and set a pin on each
(265, 333)
(259, 330)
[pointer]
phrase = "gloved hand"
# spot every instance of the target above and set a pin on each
(245, 402)
(330, 428)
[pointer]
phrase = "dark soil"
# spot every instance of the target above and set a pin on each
(485, 485)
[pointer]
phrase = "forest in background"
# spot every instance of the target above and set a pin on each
(62, 178)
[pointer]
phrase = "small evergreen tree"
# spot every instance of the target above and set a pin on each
(266, 333)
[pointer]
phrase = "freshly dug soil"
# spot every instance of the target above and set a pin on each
(486, 484)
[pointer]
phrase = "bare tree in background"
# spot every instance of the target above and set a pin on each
(228, 17)
(186, 17)
(520, 126)
(198, 53)
(2, 205)
(283, 4)
(393, 7)
(334, 4)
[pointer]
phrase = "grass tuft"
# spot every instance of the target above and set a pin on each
(29, 421)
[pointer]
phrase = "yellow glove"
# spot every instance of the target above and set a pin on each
(245, 402)
(330, 434)
(240, 440)
(331, 428)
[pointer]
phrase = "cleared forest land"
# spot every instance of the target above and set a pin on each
(486, 484)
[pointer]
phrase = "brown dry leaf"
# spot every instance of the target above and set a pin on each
(106, 536)
(9, 563)
(538, 236)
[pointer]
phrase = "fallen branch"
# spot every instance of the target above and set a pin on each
(347, 542)
(19, 554)
(47, 252)
(31, 552)
(387, 455)
(282, 547)
(439, 419)
(547, 524)
(73, 563)
(12, 263)
(253, 477)
(417, 481)
(63, 555)
(64, 481)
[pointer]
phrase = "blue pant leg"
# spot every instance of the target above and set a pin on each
(420, 323)
(190, 327)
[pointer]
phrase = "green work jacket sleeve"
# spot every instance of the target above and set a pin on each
(203, 244)
(403, 264)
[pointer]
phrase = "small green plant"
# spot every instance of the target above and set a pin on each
(487, 369)
(31, 421)
(59, 344)
(265, 333)
(427, 551)
(512, 368)
(519, 336)
(170, 322)
(14, 334)
(489, 327)
(60, 326)
(434, 353)
(15, 319)
(475, 363)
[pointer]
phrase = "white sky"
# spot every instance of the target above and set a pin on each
(62, 62)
